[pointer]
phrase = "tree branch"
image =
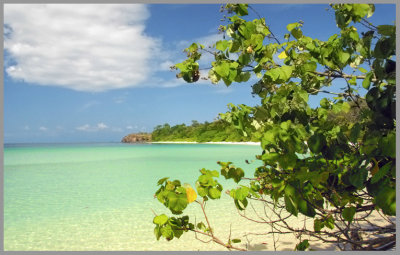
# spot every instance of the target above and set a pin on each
(342, 75)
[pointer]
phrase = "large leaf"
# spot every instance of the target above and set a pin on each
(160, 219)
(214, 193)
(348, 213)
(222, 45)
(381, 173)
(290, 205)
(305, 208)
(316, 142)
(386, 199)
(177, 202)
(222, 69)
(358, 178)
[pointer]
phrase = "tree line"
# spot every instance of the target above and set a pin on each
(216, 131)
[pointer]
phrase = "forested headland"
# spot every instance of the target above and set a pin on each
(216, 131)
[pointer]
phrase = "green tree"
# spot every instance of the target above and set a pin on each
(335, 172)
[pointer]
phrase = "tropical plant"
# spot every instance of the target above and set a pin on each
(314, 163)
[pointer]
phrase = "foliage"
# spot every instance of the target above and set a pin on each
(216, 131)
(315, 163)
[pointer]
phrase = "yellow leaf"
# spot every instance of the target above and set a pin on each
(282, 55)
(249, 50)
(190, 193)
(375, 169)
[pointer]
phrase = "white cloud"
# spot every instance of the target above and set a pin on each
(129, 127)
(85, 127)
(101, 126)
(166, 65)
(89, 128)
(84, 47)
(27, 128)
(44, 129)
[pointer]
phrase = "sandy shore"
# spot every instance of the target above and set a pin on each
(184, 142)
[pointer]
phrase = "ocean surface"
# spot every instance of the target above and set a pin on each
(100, 196)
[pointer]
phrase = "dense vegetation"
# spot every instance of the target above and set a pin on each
(216, 131)
(349, 173)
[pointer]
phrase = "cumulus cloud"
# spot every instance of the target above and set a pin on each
(43, 129)
(84, 47)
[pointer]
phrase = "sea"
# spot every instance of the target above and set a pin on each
(100, 196)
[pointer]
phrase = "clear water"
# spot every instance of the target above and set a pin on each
(100, 196)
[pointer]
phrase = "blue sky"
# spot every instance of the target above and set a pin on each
(84, 73)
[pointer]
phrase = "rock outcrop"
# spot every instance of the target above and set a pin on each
(137, 138)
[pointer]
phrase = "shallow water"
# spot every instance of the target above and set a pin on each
(100, 196)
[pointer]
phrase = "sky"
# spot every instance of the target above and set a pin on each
(95, 73)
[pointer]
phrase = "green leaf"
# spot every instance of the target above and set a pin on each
(244, 59)
(361, 9)
(222, 45)
(157, 232)
(177, 202)
(305, 208)
(214, 193)
(297, 33)
(318, 225)
(201, 191)
(201, 226)
(241, 204)
(381, 173)
(242, 10)
(343, 57)
(161, 181)
(167, 232)
(330, 222)
(316, 142)
(290, 206)
(292, 26)
(236, 240)
(302, 246)
(304, 95)
(177, 232)
(214, 173)
(388, 145)
(355, 132)
(348, 213)
(324, 103)
(241, 193)
(386, 199)
(362, 70)
(206, 180)
(384, 48)
(222, 69)
(387, 30)
(367, 81)
(160, 219)
(212, 75)
(285, 72)
(358, 178)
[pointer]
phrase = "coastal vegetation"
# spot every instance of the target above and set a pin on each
(216, 131)
(319, 164)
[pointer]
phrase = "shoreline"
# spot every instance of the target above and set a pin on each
(184, 142)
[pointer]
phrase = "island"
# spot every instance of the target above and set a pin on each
(137, 138)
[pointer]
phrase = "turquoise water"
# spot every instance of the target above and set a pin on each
(100, 196)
